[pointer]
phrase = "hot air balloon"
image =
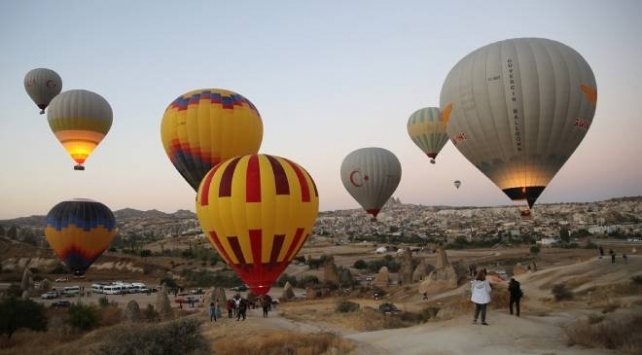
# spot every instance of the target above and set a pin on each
(79, 231)
(42, 86)
(457, 183)
(427, 128)
(257, 211)
(204, 127)
(520, 108)
(80, 119)
(371, 175)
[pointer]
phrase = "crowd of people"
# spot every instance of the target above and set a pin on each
(237, 307)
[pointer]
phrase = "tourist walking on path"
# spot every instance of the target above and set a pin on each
(601, 252)
(612, 256)
(480, 288)
(212, 311)
(515, 295)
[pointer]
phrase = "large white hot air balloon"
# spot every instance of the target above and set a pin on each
(371, 175)
(520, 108)
(42, 85)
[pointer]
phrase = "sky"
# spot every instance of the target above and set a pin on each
(328, 77)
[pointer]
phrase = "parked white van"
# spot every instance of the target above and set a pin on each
(70, 291)
(97, 288)
(112, 290)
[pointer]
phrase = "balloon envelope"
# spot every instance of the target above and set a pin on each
(427, 128)
(204, 127)
(42, 85)
(371, 175)
(79, 231)
(520, 108)
(257, 211)
(80, 119)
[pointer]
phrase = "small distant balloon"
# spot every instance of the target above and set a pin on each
(79, 231)
(427, 128)
(80, 119)
(42, 85)
(457, 183)
(371, 176)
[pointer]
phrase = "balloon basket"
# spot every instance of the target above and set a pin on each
(79, 167)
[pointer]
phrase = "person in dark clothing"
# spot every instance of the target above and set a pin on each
(601, 252)
(626, 259)
(515, 295)
(612, 256)
(242, 309)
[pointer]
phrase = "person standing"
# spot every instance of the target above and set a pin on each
(242, 309)
(515, 295)
(601, 252)
(626, 259)
(612, 256)
(480, 288)
(212, 310)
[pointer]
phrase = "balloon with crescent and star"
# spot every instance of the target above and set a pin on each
(42, 85)
(371, 175)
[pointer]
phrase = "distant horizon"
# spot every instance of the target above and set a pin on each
(358, 208)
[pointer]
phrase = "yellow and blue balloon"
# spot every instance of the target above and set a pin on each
(79, 231)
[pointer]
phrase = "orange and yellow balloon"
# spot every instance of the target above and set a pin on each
(79, 231)
(204, 127)
(80, 119)
(257, 211)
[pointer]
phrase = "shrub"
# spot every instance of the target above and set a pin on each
(103, 302)
(637, 280)
(347, 307)
(360, 264)
(535, 250)
(595, 318)
(18, 313)
(83, 317)
(614, 334)
(150, 314)
(177, 337)
(561, 293)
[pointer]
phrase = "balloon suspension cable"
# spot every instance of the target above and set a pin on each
(79, 167)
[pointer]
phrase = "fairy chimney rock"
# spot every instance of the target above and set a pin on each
(330, 274)
(442, 258)
(383, 277)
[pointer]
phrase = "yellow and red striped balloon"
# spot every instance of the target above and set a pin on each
(257, 211)
(202, 128)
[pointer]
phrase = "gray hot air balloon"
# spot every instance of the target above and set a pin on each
(371, 175)
(520, 107)
(42, 85)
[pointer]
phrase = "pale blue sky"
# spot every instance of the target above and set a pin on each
(328, 77)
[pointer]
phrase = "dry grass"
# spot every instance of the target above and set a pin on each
(621, 334)
(284, 342)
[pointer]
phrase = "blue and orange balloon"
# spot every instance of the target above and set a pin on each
(79, 231)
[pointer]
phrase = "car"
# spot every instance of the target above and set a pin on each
(240, 288)
(61, 303)
(388, 308)
(49, 295)
(62, 279)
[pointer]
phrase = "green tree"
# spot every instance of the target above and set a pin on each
(18, 313)
(360, 264)
(535, 250)
(565, 236)
(83, 317)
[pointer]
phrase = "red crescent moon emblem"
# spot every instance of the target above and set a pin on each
(50, 84)
(357, 174)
